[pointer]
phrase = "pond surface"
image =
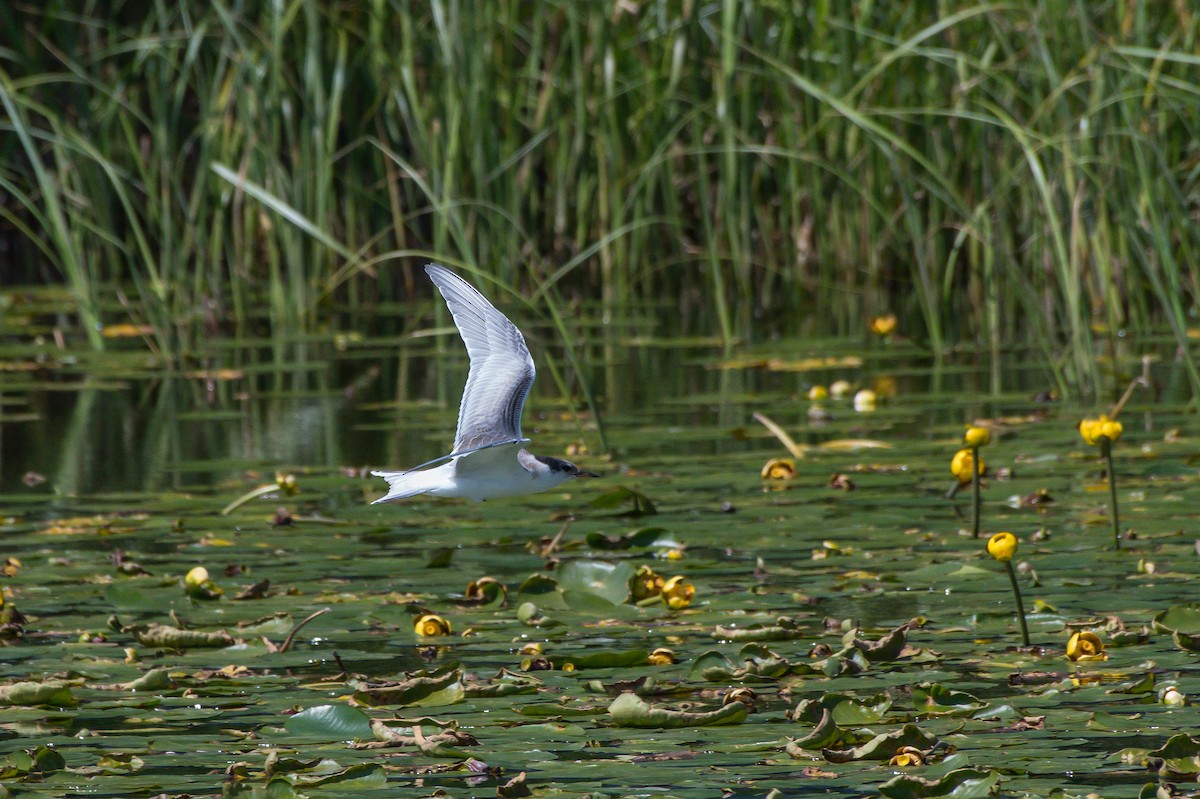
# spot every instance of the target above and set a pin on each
(114, 474)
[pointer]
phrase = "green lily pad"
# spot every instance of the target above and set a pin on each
(332, 722)
(601, 578)
(963, 783)
(630, 710)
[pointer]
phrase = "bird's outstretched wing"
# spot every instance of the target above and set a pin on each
(501, 367)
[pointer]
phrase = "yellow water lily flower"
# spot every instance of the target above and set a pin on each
(818, 393)
(431, 625)
(779, 469)
(1092, 431)
(977, 436)
(678, 593)
(883, 325)
(646, 583)
(865, 400)
(907, 756)
(962, 465)
(1002, 546)
(1085, 646)
(287, 483)
(661, 657)
(839, 388)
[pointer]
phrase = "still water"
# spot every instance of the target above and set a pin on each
(114, 472)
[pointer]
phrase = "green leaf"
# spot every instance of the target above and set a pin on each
(605, 660)
(361, 776)
(882, 747)
(599, 577)
(937, 700)
(963, 783)
(1179, 618)
(331, 722)
(641, 504)
(630, 710)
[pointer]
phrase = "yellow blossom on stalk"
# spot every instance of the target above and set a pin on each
(977, 436)
(962, 465)
(779, 469)
(431, 625)
(1002, 546)
(1093, 430)
(883, 325)
(818, 393)
(1085, 646)
(661, 657)
(677, 593)
(645, 583)
(839, 388)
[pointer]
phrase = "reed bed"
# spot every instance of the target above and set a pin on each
(995, 173)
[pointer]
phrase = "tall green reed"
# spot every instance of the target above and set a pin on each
(995, 173)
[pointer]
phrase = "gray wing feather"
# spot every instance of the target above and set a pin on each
(501, 367)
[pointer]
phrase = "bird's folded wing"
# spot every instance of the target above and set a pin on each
(490, 460)
(445, 458)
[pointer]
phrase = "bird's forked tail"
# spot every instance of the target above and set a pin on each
(402, 485)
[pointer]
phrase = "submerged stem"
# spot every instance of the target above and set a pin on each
(1106, 448)
(1012, 578)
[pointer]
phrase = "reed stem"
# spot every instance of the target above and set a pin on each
(976, 500)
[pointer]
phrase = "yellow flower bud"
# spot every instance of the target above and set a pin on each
(977, 436)
(485, 589)
(818, 393)
(197, 577)
(1002, 546)
(1085, 646)
(1173, 697)
(430, 626)
(1093, 430)
(839, 388)
(1111, 429)
(661, 657)
(779, 469)
(883, 325)
(646, 583)
(865, 400)
(677, 593)
(287, 483)
(962, 465)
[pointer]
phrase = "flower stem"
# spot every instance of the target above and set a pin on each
(1106, 449)
(975, 490)
(1012, 578)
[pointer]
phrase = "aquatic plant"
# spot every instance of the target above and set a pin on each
(1003, 547)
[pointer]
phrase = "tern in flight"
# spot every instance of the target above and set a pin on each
(489, 458)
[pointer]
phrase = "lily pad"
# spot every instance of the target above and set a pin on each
(630, 710)
(332, 722)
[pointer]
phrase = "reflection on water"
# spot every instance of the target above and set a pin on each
(394, 404)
